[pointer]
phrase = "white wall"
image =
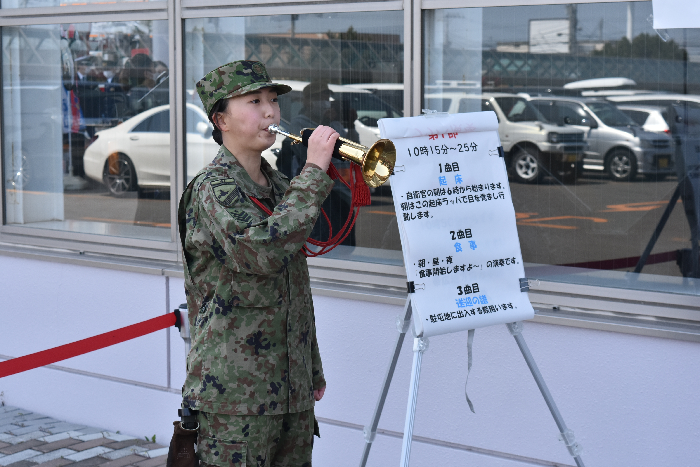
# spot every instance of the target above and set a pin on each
(631, 400)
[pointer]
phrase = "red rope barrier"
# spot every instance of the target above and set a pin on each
(360, 196)
(56, 354)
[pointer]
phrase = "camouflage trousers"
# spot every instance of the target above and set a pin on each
(256, 440)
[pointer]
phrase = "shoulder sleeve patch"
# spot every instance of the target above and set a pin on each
(226, 192)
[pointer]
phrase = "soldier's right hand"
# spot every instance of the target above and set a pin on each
(321, 144)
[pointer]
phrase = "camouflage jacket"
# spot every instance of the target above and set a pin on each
(254, 348)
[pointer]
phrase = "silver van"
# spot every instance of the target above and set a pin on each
(616, 144)
(533, 148)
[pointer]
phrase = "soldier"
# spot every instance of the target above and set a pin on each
(254, 371)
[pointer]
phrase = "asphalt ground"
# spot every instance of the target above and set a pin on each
(593, 219)
(29, 439)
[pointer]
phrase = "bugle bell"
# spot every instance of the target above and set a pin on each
(377, 161)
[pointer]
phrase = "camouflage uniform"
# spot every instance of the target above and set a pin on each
(254, 349)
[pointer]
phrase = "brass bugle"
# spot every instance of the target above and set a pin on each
(377, 161)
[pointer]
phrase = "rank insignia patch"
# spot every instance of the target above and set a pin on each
(241, 216)
(226, 192)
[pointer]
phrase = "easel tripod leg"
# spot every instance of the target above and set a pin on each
(370, 431)
(566, 435)
(420, 345)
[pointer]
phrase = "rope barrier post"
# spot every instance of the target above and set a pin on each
(184, 327)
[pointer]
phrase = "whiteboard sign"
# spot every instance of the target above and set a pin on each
(457, 222)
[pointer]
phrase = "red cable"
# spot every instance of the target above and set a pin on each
(56, 354)
(359, 194)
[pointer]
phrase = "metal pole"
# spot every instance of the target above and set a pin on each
(566, 435)
(370, 431)
(420, 345)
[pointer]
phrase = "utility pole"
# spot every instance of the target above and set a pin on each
(573, 26)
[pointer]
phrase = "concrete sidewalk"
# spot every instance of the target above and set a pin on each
(29, 439)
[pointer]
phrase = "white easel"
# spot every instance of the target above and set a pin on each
(420, 345)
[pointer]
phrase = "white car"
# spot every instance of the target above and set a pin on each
(136, 153)
(650, 118)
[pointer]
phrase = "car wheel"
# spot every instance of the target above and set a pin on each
(525, 166)
(119, 175)
(621, 166)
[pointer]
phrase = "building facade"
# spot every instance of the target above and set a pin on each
(599, 115)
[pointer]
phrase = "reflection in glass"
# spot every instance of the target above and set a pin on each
(593, 88)
(345, 71)
(86, 128)
(56, 3)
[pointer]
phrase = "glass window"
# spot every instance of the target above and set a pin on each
(86, 128)
(590, 204)
(340, 67)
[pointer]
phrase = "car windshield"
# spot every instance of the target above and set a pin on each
(609, 114)
(518, 109)
(368, 107)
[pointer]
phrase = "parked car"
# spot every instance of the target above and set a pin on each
(533, 147)
(650, 118)
(391, 93)
(136, 153)
(359, 108)
(616, 143)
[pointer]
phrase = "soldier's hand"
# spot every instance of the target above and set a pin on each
(321, 143)
(318, 393)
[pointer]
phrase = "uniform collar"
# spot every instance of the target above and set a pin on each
(233, 169)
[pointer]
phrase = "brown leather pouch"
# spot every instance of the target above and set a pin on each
(181, 452)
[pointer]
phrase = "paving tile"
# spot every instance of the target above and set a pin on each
(19, 456)
(123, 461)
(23, 464)
(5, 438)
(28, 417)
(9, 427)
(27, 437)
(116, 436)
(56, 463)
(90, 429)
(61, 443)
(8, 408)
(4, 445)
(23, 430)
(154, 453)
(150, 446)
(21, 446)
(127, 443)
(153, 462)
(123, 452)
(93, 461)
(60, 436)
(79, 456)
(46, 421)
(61, 427)
(89, 437)
(49, 456)
(91, 444)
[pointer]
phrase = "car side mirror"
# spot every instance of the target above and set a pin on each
(202, 128)
(592, 124)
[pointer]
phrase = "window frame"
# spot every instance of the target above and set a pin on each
(575, 304)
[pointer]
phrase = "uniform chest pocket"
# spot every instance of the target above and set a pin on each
(222, 453)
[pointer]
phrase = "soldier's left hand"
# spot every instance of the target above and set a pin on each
(318, 393)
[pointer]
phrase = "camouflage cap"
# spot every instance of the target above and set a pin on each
(234, 79)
